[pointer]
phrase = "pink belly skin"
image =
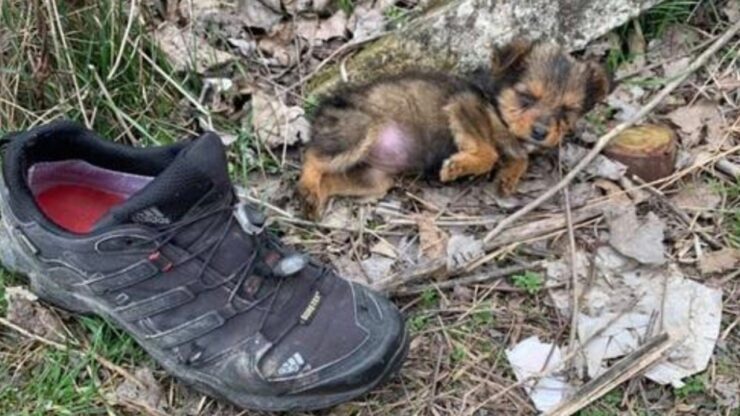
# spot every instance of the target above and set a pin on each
(391, 151)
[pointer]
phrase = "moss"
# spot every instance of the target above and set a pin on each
(391, 54)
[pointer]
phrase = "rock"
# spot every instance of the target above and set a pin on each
(457, 35)
(648, 151)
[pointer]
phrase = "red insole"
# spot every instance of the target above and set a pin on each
(76, 208)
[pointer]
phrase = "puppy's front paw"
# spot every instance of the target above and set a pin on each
(451, 170)
(506, 184)
(312, 202)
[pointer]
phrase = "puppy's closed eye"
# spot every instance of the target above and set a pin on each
(526, 99)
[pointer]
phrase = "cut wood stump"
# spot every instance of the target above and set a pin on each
(648, 151)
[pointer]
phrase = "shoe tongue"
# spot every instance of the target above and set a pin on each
(197, 175)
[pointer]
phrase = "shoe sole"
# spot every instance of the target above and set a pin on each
(14, 259)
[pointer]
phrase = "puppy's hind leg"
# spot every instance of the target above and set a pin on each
(309, 185)
(360, 181)
(474, 134)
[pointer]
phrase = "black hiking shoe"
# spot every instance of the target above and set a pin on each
(156, 241)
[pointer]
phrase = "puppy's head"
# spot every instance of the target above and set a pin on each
(542, 90)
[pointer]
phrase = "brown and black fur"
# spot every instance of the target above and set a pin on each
(448, 127)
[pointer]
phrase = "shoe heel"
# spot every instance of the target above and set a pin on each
(13, 261)
(9, 256)
(55, 295)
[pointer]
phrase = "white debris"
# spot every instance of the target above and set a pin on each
(532, 357)
(626, 303)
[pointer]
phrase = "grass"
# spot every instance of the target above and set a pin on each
(530, 282)
(41, 80)
(652, 25)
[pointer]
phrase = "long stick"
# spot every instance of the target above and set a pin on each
(605, 139)
(623, 370)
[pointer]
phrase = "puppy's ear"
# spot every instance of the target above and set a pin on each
(598, 84)
(510, 57)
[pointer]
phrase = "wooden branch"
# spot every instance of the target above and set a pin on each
(605, 139)
(545, 226)
(467, 280)
(626, 368)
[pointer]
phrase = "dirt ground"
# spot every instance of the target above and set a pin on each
(128, 78)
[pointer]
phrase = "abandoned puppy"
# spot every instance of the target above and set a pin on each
(448, 127)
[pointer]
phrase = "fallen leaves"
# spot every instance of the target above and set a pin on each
(261, 14)
(697, 197)
(277, 124)
(366, 22)
(143, 392)
(719, 261)
(187, 51)
(25, 311)
(640, 239)
(692, 120)
(433, 240)
(323, 30)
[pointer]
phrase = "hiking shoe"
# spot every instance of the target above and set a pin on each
(156, 241)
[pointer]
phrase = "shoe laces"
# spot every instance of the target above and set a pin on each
(262, 241)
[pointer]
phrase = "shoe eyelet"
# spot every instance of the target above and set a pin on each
(122, 299)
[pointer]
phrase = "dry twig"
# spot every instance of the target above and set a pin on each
(626, 368)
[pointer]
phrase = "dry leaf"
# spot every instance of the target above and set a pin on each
(147, 392)
(25, 311)
(187, 51)
(366, 22)
(296, 7)
(433, 241)
(719, 261)
(195, 9)
(277, 124)
(601, 166)
(384, 248)
(257, 14)
(641, 240)
(377, 268)
(461, 249)
(728, 390)
(691, 121)
(246, 47)
(323, 30)
(278, 46)
(698, 196)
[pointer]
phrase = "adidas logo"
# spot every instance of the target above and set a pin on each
(292, 365)
(151, 215)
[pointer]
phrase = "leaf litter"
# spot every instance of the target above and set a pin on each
(634, 249)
